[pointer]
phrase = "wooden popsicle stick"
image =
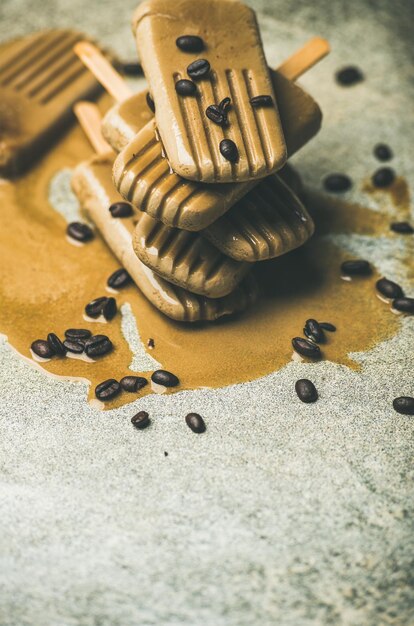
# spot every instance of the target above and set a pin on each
(305, 58)
(89, 117)
(103, 71)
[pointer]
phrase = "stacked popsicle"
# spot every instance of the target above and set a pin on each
(198, 157)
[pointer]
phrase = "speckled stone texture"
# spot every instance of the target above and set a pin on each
(281, 513)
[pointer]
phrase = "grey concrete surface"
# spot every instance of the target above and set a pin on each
(281, 514)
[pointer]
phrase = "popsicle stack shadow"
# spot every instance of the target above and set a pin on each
(227, 131)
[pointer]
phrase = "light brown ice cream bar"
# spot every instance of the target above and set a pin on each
(142, 174)
(186, 259)
(268, 222)
(40, 80)
(233, 47)
(93, 186)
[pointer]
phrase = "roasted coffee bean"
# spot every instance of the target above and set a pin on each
(162, 377)
(389, 289)
(190, 43)
(98, 345)
(384, 177)
(404, 228)
(71, 345)
(337, 183)
(305, 347)
(216, 115)
(150, 102)
(404, 405)
(109, 309)
(198, 69)
(42, 349)
(108, 389)
(185, 87)
(358, 267)
(151, 343)
(229, 150)
(383, 152)
(225, 104)
(328, 326)
(141, 420)
(348, 76)
(121, 209)
(94, 308)
(131, 68)
(314, 331)
(79, 231)
(261, 101)
(119, 279)
(77, 333)
(404, 305)
(195, 422)
(306, 390)
(133, 383)
(56, 344)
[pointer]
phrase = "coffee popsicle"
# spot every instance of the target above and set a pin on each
(195, 55)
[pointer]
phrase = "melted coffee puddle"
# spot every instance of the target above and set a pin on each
(45, 282)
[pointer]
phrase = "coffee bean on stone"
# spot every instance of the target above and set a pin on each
(307, 348)
(94, 308)
(133, 383)
(98, 345)
(119, 279)
(384, 177)
(107, 390)
(56, 344)
(75, 346)
(261, 101)
(141, 420)
(195, 422)
(389, 289)
(79, 231)
(185, 87)
(348, 76)
(190, 43)
(337, 183)
(150, 102)
(162, 377)
(42, 348)
(121, 209)
(383, 152)
(404, 305)
(314, 331)
(198, 69)
(306, 390)
(229, 150)
(77, 333)
(403, 228)
(328, 326)
(404, 405)
(359, 267)
(109, 309)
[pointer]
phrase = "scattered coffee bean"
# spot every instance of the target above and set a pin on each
(404, 405)
(337, 183)
(108, 389)
(119, 279)
(384, 177)
(98, 345)
(229, 150)
(150, 102)
(348, 76)
(165, 453)
(109, 309)
(328, 326)
(358, 267)
(71, 345)
(185, 87)
(261, 101)
(305, 347)
(133, 383)
(190, 43)
(383, 152)
(306, 390)
(162, 377)
(121, 209)
(404, 305)
(314, 331)
(77, 333)
(404, 228)
(94, 308)
(42, 349)
(225, 104)
(79, 231)
(141, 420)
(131, 68)
(151, 343)
(389, 289)
(198, 69)
(195, 422)
(56, 344)
(216, 115)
